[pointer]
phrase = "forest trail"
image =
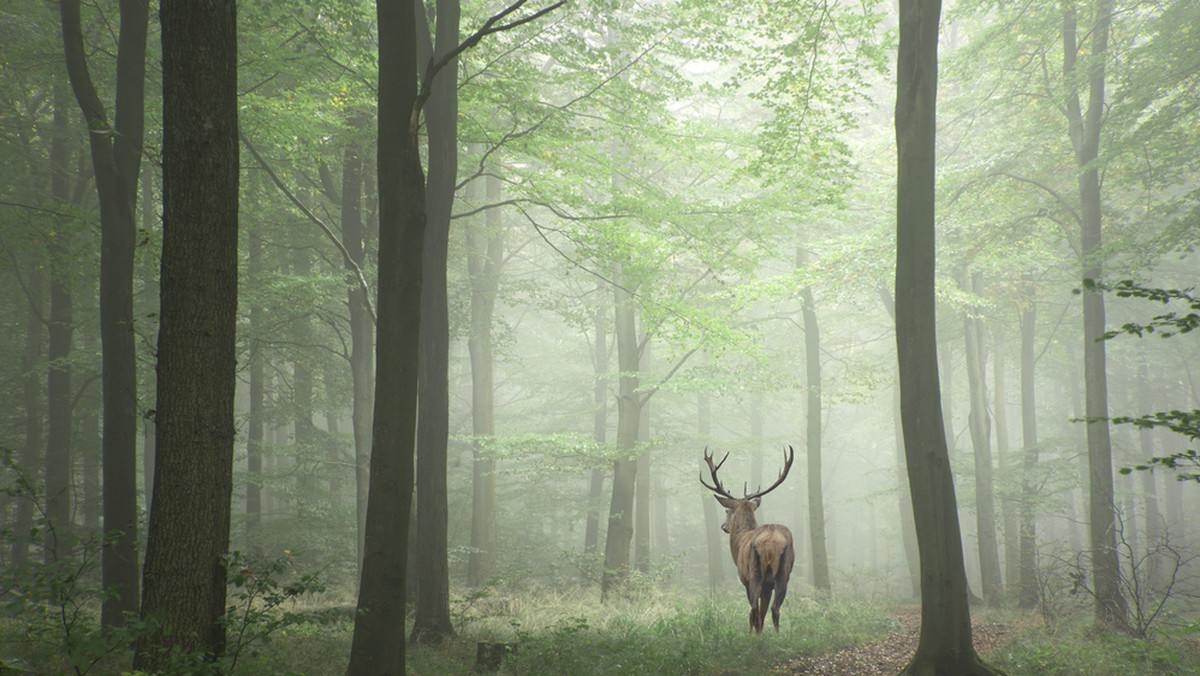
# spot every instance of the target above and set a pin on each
(889, 656)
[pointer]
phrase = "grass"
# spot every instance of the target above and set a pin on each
(668, 633)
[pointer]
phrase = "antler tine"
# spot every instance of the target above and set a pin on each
(716, 487)
(788, 456)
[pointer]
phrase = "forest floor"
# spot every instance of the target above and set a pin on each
(889, 656)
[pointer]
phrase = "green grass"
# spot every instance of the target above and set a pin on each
(659, 632)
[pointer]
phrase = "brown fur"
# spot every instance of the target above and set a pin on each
(764, 556)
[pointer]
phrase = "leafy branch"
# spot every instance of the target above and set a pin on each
(1172, 322)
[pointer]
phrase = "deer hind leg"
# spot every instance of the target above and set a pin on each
(779, 594)
(752, 594)
(764, 600)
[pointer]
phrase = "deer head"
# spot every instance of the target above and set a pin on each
(739, 512)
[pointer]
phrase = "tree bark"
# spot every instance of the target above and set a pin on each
(485, 256)
(116, 161)
(184, 575)
(979, 424)
(1030, 590)
(254, 426)
(620, 511)
(816, 500)
(591, 537)
(1084, 130)
(362, 334)
(1007, 459)
(432, 622)
(378, 646)
(31, 449)
(944, 646)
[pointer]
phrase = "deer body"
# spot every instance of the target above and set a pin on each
(763, 554)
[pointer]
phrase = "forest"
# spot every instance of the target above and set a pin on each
(435, 337)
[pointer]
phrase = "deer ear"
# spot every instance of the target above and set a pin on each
(725, 502)
(757, 502)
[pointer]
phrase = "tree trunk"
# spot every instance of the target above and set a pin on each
(1029, 593)
(59, 331)
(485, 256)
(620, 511)
(254, 426)
(816, 500)
(31, 449)
(362, 334)
(1008, 505)
(944, 646)
(712, 522)
(1084, 130)
(591, 537)
(378, 646)
(116, 161)
(908, 531)
(641, 509)
(1155, 526)
(432, 621)
(184, 574)
(980, 427)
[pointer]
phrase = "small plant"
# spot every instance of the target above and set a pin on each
(55, 594)
(258, 596)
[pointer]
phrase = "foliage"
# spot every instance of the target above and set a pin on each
(1173, 322)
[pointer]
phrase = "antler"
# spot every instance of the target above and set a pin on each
(788, 456)
(716, 487)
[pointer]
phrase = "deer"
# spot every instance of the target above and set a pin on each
(763, 554)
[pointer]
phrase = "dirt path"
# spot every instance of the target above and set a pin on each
(889, 656)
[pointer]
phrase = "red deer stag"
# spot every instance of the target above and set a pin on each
(763, 554)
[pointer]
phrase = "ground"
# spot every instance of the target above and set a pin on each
(889, 656)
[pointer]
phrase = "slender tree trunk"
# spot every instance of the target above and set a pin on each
(816, 499)
(254, 427)
(59, 331)
(362, 333)
(1029, 592)
(620, 512)
(1008, 503)
(184, 573)
(116, 161)
(591, 537)
(31, 450)
(979, 424)
(1155, 526)
(712, 522)
(378, 646)
(432, 622)
(944, 646)
(485, 256)
(1084, 130)
(641, 509)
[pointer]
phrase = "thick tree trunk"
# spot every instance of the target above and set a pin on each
(485, 256)
(816, 499)
(908, 531)
(1155, 526)
(944, 646)
(1084, 130)
(184, 574)
(378, 646)
(979, 424)
(254, 425)
(641, 509)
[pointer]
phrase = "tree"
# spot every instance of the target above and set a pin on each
(184, 575)
(945, 642)
(432, 621)
(116, 159)
(1084, 129)
(378, 646)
